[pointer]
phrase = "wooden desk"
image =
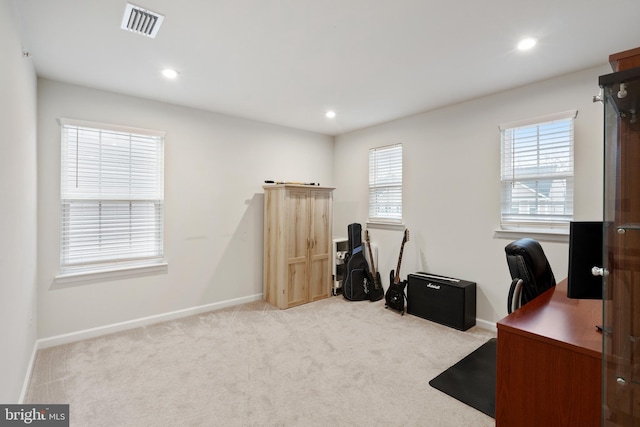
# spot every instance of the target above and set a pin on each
(549, 363)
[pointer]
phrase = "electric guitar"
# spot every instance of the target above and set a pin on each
(376, 292)
(395, 294)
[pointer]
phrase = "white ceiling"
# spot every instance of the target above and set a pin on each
(288, 61)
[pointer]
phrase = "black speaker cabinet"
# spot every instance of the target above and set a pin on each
(445, 300)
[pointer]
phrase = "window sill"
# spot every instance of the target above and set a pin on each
(386, 225)
(82, 278)
(550, 235)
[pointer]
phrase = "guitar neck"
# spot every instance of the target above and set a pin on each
(397, 278)
(405, 239)
(373, 267)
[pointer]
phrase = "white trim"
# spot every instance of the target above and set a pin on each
(143, 321)
(390, 159)
(27, 375)
(386, 225)
(485, 324)
(123, 326)
(65, 280)
(547, 235)
(106, 126)
(571, 114)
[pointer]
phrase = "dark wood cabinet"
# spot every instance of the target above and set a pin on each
(621, 370)
(549, 363)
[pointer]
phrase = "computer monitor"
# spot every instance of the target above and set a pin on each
(585, 252)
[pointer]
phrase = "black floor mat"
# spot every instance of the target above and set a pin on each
(473, 379)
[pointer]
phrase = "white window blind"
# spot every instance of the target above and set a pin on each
(537, 172)
(112, 196)
(385, 183)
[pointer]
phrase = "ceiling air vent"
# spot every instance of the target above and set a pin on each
(141, 21)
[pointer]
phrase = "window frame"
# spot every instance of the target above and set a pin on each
(538, 222)
(392, 182)
(151, 259)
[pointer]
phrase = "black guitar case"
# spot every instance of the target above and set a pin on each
(357, 279)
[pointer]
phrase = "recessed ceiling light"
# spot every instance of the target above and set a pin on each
(330, 114)
(526, 44)
(169, 73)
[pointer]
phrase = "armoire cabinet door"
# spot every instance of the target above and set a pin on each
(298, 243)
(321, 240)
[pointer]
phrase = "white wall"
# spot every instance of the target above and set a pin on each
(452, 183)
(215, 166)
(19, 207)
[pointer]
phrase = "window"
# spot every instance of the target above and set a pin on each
(385, 183)
(537, 172)
(112, 197)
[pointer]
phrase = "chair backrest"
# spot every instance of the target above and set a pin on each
(528, 264)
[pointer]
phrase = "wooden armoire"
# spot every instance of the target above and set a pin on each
(297, 244)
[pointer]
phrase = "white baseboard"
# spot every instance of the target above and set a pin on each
(27, 376)
(123, 326)
(484, 324)
(144, 321)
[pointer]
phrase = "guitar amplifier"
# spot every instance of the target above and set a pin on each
(445, 300)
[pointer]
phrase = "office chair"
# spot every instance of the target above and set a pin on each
(530, 272)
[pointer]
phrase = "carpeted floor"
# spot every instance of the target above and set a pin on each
(332, 362)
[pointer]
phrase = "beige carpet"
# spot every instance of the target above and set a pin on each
(329, 363)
